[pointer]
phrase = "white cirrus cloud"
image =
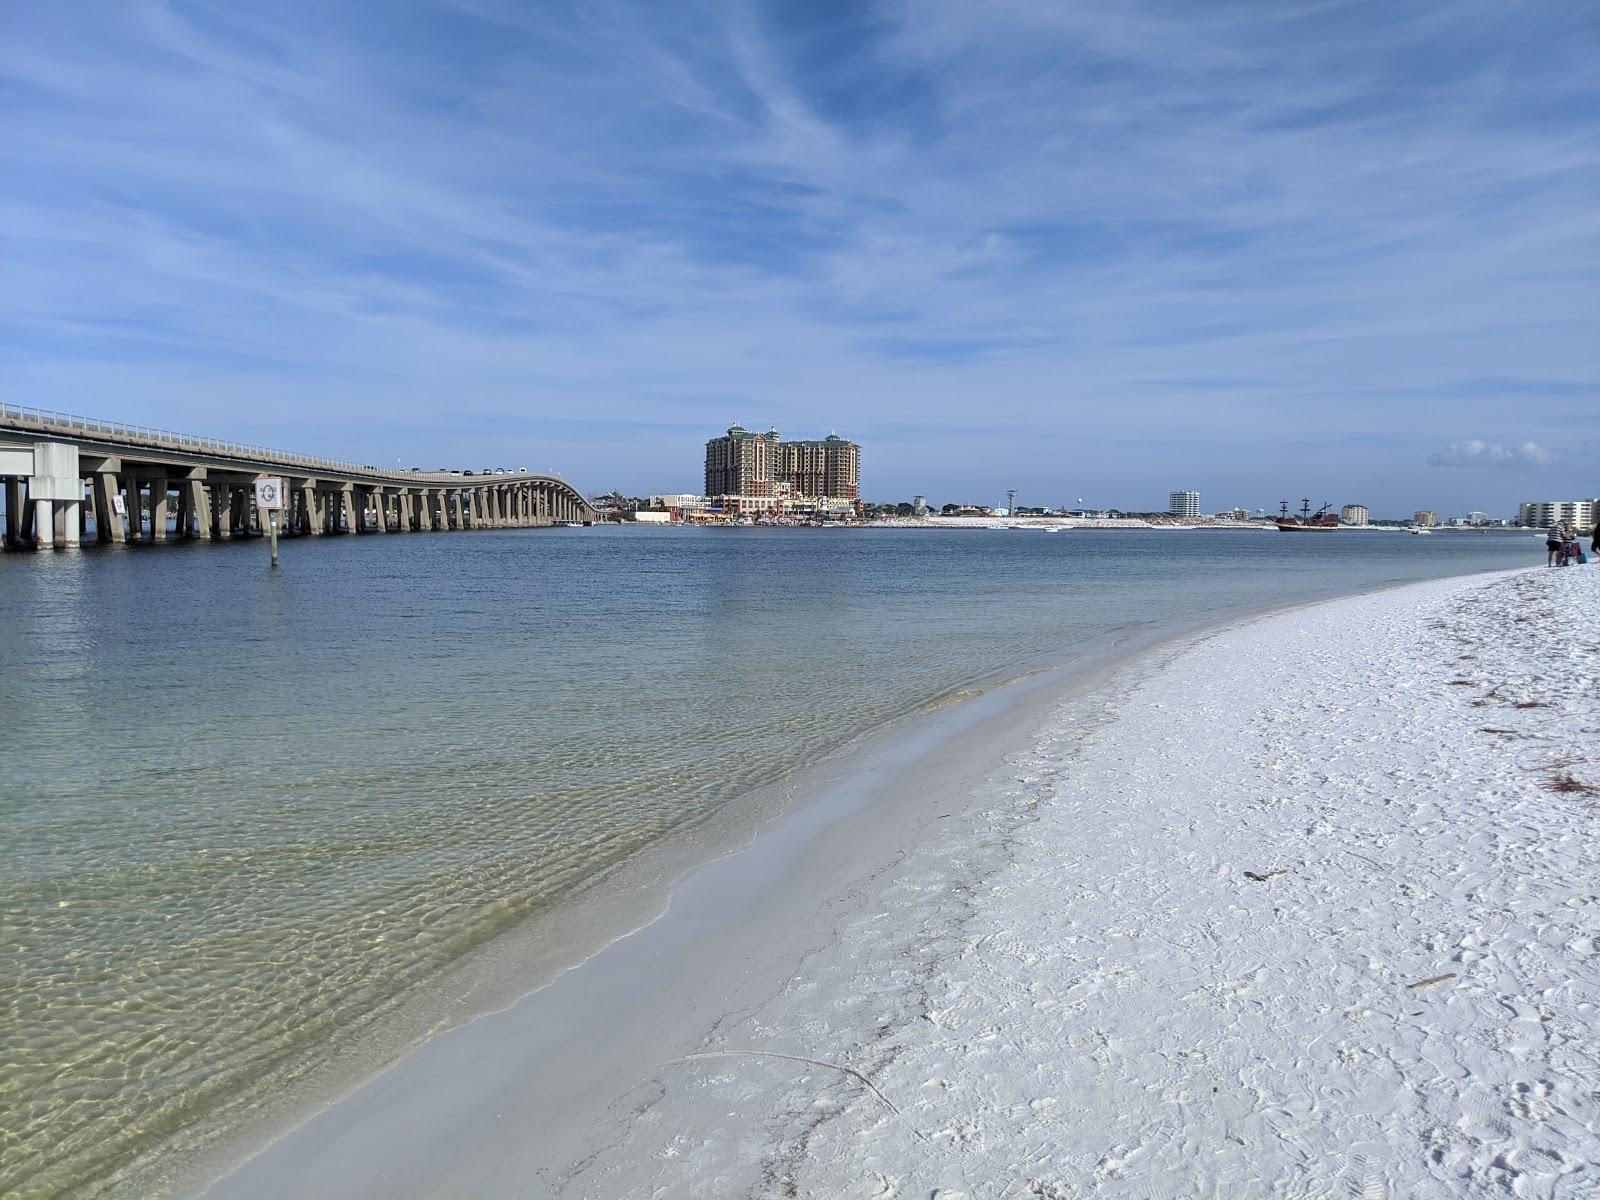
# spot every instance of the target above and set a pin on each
(1474, 452)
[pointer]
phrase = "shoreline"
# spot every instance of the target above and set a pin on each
(1086, 687)
(523, 963)
(524, 957)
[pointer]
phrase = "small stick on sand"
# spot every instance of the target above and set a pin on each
(870, 1086)
(1422, 983)
(1268, 875)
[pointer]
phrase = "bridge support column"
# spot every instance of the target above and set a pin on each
(380, 501)
(455, 516)
(134, 503)
(199, 510)
(107, 525)
(349, 508)
(158, 510)
(44, 524)
(183, 516)
(68, 515)
(216, 508)
(311, 524)
(13, 514)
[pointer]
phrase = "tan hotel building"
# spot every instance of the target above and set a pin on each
(760, 472)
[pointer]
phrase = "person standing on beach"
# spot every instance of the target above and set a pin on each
(1555, 546)
(1594, 539)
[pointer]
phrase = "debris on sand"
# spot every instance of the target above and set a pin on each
(1422, 983)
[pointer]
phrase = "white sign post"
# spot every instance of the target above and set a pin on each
(269, 503)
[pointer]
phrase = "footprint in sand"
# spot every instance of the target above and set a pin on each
(1364, 1178)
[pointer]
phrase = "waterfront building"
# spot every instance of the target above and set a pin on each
(760, 472)
(1424, 518)
(682, 501)
(739, 463)
(1184, 504)
(1541, 514)
(1354, 514)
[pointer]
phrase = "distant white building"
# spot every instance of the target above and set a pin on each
(1184, 504)
(683, 502)
(1354, 514)
(919, 506)
(1541, 514)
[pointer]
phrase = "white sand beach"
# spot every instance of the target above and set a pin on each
(1304, 907)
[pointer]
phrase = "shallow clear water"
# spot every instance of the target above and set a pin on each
(243, 811)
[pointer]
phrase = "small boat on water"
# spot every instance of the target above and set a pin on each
(1419, 529)
(1321, 521)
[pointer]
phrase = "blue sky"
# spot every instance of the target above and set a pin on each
(1101, 250)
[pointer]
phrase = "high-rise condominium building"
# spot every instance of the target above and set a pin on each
(760, 466)
(1424, 518)
(1541, 514)
(739, 463)
(1354, 514)
(1184, 504)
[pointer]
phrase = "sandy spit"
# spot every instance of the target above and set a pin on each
(1307, 907)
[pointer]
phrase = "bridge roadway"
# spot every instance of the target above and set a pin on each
(57, 469)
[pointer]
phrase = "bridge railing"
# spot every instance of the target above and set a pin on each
(45, 420)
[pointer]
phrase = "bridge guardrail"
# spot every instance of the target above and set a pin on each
(44, 420)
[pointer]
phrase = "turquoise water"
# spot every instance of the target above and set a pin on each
(245, 811)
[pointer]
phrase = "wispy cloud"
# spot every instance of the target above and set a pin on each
(1475, 453)
(1081, 221)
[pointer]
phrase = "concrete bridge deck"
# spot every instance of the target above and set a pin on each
(57, 469)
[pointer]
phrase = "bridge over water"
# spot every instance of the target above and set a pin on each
(150, 485)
